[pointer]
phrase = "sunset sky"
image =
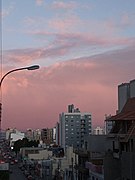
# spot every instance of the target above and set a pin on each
(85, 49)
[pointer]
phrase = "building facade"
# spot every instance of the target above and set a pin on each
(107, 124)
(98, 131)
(125, 91)
(73, 127)
(47, 136)
(119, 162)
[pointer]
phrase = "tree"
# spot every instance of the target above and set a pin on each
(24, 143)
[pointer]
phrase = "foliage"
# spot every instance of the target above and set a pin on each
(24, 143)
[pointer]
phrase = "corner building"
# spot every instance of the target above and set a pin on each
(73, 127)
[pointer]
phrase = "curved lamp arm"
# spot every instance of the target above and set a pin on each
(34, 67)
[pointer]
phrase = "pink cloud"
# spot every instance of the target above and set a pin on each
(35, 99)
(39, 2)
(64, 5)
(8, 11)
(63, 44)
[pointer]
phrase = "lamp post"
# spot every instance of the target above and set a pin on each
(34, 67)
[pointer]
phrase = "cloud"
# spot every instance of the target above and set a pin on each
(90, 83)
(64, 5)
(65, 23)
(39, 2)
(8, 11)
(64, 46)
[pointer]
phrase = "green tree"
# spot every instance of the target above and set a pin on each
(24, 143)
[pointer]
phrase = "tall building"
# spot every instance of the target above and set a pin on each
(47, 136)
(132, 88)
(37, 134)
(125, 91)
(73, 127)
(58, 133)
(107, 124)
(29, 134)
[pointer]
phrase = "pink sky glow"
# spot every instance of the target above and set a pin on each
(85, 49)
(35, 99)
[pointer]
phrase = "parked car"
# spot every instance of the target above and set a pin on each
(30, 177)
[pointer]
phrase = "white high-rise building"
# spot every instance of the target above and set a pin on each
(73, 127)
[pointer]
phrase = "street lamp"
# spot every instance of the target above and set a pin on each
(34, 67)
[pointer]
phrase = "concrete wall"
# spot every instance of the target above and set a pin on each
(132, 88)
(97, 143)
(128, 165)
(112, 168)
(43, 154)
(123, 95)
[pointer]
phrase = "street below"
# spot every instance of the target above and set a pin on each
(16, 173)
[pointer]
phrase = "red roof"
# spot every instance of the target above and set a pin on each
(127, 113)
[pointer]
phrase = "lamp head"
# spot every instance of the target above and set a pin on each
(34, 67)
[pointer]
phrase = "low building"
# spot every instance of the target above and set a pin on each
(25, 151)
(98, 131)
(14, 137)
(42, 154)
(91, 157)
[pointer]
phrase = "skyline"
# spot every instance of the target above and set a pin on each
(84, 49)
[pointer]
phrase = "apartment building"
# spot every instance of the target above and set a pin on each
(73, 127)
(47, 136)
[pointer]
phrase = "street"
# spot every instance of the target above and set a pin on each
(16, 173)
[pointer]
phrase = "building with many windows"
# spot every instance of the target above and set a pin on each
(47, 136)
(73, 127)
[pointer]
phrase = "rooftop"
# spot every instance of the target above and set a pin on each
(127, 113)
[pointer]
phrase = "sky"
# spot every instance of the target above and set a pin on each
(85, 49)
